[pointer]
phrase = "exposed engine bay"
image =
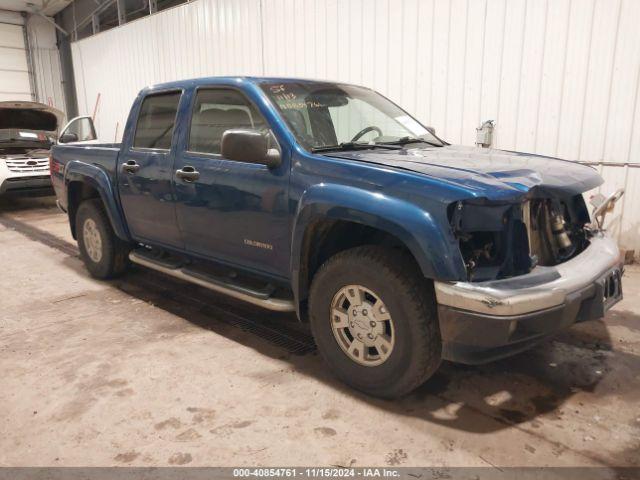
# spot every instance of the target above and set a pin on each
(16, 145)
(15, 142)
(556, 229)
(22, 152)
(505, 240)
(27, 127)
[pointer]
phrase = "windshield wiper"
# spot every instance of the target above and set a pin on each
(407, 140)
(352, 146)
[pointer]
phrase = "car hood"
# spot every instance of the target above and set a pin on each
(30, 116)
(489, 173)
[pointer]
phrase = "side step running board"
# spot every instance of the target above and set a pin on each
(231, 290)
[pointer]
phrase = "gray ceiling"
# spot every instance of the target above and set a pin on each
(46, 7)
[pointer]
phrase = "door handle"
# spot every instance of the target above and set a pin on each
(188, 174)
(130, 167)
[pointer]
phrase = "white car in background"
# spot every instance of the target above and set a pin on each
(27, 132)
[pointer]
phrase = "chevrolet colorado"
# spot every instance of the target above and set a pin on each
(329, 200)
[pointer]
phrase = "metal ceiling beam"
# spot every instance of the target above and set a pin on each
(95, 24)
(122, 12)
(48, 19)
(96, 11)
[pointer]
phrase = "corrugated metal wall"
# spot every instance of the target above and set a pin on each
(559, 77)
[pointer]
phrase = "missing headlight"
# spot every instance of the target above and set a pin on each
(493, 240)
(505, 240)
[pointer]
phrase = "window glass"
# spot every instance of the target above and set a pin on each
(156, 121)
(216, 111)
(328, 114)
(82, 129)
(350, 119)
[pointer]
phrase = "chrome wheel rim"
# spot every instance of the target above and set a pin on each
(362, 325)
(92, 240)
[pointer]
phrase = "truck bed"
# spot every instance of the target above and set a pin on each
(102, 155)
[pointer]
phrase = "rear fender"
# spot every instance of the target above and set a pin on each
(77, 171)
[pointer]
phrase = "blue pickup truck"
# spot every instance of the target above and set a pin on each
(329, 200)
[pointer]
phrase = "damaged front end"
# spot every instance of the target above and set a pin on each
(502, 240)
(534, 266)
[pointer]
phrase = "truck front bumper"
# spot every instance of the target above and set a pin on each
(485, 321)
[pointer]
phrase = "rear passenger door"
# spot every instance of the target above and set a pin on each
(146, 170)
(228, 210)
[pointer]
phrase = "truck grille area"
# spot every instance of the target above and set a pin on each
(27, 164)
(555, 229)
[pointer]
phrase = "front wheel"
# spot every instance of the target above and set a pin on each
(374, 319)
(103, 253)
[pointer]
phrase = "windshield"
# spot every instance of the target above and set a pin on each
(328, 114)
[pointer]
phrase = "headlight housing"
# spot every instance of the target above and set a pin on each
(493, 239)
(509, 239)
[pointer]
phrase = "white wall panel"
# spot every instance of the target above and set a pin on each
(45, 62)
(203, 38)
(15, 83)
(559, 77)
(553, 72)
(41, 59)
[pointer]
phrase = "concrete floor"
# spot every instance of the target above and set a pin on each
(149, 371)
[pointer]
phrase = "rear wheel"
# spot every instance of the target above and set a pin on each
(375, 321)
(103, 253)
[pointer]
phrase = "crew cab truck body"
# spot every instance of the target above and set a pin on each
(329, 200)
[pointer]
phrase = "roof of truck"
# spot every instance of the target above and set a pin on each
(235, 80)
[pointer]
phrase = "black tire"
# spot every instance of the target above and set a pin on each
(113, 260)
(409, 299)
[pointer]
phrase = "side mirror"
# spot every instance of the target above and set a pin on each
(431, 130)
(249, 146)
(68, 138)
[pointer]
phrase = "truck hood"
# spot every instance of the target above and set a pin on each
(487, 173)
(30, 116)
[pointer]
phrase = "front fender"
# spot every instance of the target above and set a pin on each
(77, 171)
(421, 231)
